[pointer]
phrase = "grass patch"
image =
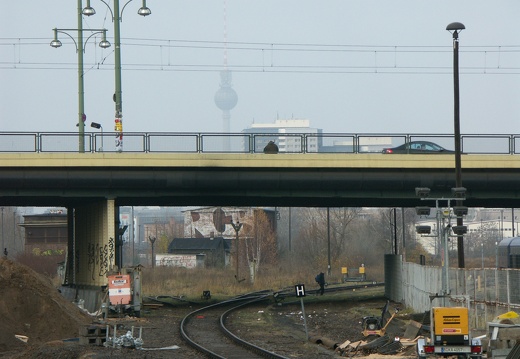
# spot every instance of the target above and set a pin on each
(190, 283)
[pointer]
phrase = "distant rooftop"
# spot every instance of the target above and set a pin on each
(293, 122)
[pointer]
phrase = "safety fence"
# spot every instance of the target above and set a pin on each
(245, 142)
(487, 292)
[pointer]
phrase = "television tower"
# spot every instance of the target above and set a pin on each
(225, 98)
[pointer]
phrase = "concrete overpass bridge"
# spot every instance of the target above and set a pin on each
(93, 185)
(305, 180)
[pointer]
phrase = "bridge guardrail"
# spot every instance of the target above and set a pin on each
(184, 142)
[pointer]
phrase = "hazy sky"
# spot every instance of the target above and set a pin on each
(364, 66)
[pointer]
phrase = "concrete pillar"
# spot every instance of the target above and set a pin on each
(95, 242)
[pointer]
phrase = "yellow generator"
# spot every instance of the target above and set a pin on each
(450, 326)
(450, 335)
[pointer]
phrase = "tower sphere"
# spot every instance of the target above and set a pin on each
(226, 98)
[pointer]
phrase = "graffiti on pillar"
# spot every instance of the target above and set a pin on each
(112, 250)
(99, 256)
(103, 260)
(91, 257)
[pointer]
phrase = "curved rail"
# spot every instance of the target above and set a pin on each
(215, 344)
(289, 292)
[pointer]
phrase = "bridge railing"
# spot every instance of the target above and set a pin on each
(180, 142)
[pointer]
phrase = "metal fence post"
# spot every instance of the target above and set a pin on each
(508, 272)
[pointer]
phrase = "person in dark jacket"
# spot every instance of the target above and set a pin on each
(320, 278)
(271, 147)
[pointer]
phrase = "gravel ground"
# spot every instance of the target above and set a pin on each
(271, 325)
(30, 306)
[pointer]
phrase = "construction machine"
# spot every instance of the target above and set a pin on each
(373, 325)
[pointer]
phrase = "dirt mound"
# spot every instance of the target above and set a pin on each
(32, 307)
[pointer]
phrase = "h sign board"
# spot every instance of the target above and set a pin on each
(300, 290)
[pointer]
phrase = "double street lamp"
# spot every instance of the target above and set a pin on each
(117, 16)
(80, 49)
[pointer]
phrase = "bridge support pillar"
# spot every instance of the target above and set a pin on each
(93, 243)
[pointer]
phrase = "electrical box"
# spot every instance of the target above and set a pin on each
(119, 291)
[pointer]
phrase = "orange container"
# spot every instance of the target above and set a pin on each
(119, 291)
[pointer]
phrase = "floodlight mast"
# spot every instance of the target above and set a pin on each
(443, 224)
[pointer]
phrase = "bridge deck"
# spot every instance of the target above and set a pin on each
(307, 180)
(308, 160)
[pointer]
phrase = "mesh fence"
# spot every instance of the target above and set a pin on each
(487, 292)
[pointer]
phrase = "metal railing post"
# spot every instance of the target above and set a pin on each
(146, 142)
(37, 143)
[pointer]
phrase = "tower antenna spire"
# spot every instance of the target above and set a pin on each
(226, 98)
(225, 35)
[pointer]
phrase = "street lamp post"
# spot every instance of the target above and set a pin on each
(237, 228)
(455, 28)
(99, 127)
(118, 95)
(80, 51)
(152, 241)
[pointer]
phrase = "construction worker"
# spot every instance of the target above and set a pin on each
(320, 278)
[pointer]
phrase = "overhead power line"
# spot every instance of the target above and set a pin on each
(269, 57)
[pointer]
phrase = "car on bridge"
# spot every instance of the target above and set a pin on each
(421, 147)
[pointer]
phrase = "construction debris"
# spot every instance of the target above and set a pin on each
(125, 341)
(503, 339)
(383, 345)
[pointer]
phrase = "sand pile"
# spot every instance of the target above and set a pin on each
(32, 307)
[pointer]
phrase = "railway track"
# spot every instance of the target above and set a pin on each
(204, 329)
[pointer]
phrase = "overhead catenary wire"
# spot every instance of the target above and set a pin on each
(282, 65)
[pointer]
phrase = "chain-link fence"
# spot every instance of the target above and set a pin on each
(487, 292)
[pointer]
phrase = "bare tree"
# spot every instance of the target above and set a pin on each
(169, 231)
(314, 239)
(260, 242)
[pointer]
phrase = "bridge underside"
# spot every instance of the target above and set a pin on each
(93, 186)
(290, 187)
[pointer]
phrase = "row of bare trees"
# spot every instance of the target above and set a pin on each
(350, 237)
